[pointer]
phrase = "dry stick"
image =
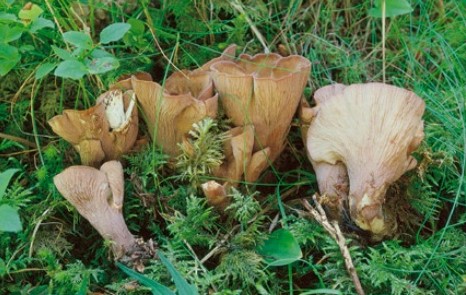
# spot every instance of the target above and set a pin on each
(18, 139)
(237, 5)
(334, 230)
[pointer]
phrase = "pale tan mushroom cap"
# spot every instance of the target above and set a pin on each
(103, 132)
(98, 197)
(372, 129)
(264, 90)
(171, 112)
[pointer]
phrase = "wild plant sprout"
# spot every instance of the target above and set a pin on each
(201, 152)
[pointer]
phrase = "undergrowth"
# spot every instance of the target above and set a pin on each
(58, 252)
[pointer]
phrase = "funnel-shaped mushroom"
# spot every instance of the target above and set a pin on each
(371, 129)
(170, 112)
(263, 90)
(98, 197)
(103, 132)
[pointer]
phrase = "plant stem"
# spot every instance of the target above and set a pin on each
(383, 41)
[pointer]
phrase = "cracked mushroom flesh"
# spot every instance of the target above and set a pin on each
(103, 132)
(98, 197)
(263, 90)
(371, 129)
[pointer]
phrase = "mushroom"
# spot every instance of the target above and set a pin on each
(371, 129)
(170, 111)
(103, 132)
(263, 90)
(98, 197)
(216, 195)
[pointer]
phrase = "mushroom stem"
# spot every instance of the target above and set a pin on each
(98, 197)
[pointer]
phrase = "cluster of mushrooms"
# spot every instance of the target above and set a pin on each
(359, 138)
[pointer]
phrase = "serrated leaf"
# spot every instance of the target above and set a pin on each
(41, 23)
(44, 69)
(5, 178)
(78, 39)
(10, 33)
(72, 69)
(102, 65)
(181, 285)
(62, 53)
(281, 248)
(156, 288)
(114, 32)
(9, 220)
(9, 57)
(392, 8)
(30, 12)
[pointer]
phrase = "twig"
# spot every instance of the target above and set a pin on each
(334, 230)
(18, 139)
(237, 5)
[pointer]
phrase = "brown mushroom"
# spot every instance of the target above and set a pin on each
(371, 129)
(216, 195)
(263, 90)
(170, 111)
(103, 132)
(98, 197)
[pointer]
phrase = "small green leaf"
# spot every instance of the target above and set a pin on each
(156, 288)
(102, 65)
(392, 8)
(44, 69)
(137, 26)
(9, 220)
(30, 13)
(8, 17)
(62, 53)
(78, 39)
(41, 23)
(281, 248)
(10, 33)
(9, 57)
(181, 285)
(5, 178)
(97, 53)
(114, 32)
(72, 69)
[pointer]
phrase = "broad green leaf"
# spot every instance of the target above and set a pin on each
(41, 23)
(392, 8)
(7, 17)
(62, 53)
(10, 33)
(156, 288)
(181, 285)
(5, 178)
(281, 248)
(78, 39)
(114, 32)
(9, 219)
(137, 26)
(30, 12)
(44, 69)
(72, 69)
(96, 53)
(102, 64)
(9, 57)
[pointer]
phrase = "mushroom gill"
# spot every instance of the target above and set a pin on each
(263, 90)
(371, 129)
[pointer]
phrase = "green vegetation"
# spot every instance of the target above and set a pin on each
(59, 54)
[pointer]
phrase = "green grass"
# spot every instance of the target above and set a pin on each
(58, 252)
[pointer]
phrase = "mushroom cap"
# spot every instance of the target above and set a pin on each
(98, 197)
(264, 90)
(372, 130)
(102, 132)
(170, 116)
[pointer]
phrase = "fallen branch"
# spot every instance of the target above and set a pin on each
(334, 230)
